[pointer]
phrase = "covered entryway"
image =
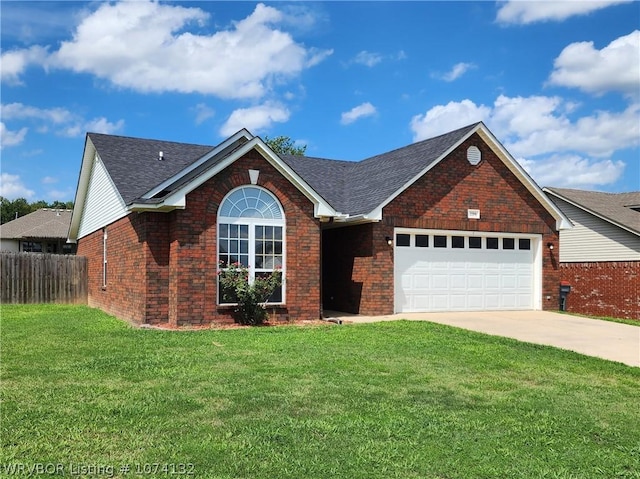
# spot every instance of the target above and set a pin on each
(439, 270)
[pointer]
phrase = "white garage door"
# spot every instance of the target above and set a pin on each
(458, 271)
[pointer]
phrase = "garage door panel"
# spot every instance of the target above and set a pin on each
(447, 279)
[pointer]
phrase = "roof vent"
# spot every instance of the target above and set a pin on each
(160, 156)
(473, 155)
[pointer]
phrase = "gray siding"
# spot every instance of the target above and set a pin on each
(594, 239)
(103, 204)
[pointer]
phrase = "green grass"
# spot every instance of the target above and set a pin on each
(385, 400)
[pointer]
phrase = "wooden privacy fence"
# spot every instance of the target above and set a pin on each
(42, 278)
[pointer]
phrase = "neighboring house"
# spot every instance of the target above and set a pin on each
(450, 223)
(600, 255)
(43, 231)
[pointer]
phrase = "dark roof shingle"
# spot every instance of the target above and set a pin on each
(133, 163)
(360, 187)
(349, 187)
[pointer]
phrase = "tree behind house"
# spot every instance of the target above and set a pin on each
(284, 145)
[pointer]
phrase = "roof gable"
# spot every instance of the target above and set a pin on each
(615, 208)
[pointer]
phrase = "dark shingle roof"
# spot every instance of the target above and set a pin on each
(349, 187)
(360, 187)
(133, 163)
(43, 223)
(615, 207)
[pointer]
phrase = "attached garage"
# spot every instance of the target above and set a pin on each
(442, 270)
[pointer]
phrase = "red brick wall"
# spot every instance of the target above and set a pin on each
(192, 279)
(163, 267)
(606, 289)
(439, 200)
(124, 295)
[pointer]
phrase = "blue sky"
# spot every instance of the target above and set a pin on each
(558, 83)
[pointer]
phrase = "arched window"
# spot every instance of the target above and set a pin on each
(251, 231)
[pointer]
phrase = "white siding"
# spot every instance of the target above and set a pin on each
(594, 239)
(103, 204)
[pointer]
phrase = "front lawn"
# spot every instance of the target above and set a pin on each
(385, 400)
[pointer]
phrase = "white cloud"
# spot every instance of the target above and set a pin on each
(11, 138)
(443, 118)
(19, 111)
(573, 171)
(11, 187)
(537, 128)
(15, 62)
(524, 12)
(360, 111)
(614, 68)
(102, 125)
(255, 119)
(456, 72)
(144, 46)
(202, 113)
(536, 125)
(368, 59)
(65, 122)
(49, 180)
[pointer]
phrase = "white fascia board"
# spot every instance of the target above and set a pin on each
(591, 212)
(562, 222)
(244, 133)
(88, 158)
(177, 199)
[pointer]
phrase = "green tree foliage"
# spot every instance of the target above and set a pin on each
(10, 210)
(284, 145)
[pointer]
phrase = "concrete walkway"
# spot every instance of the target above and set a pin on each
(603, 339)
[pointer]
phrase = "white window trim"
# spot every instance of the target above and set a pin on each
(252, 223)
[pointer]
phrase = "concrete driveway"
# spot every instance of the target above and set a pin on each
(593, 337)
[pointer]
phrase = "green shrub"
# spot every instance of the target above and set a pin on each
(250, 298)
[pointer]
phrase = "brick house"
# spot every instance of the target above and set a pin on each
(449, 223)
(600, 255)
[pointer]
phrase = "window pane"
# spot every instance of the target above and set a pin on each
(268, 232)
(524, 243)
(475, 242)
(492, 243)
(422, 241)
(259, 262)
(244, 231)
(233, 246)
(277, 247)
(403, 240)
(233, 231)
(268, 247)
(440, 241)
(244, 246)
(223, 232)
(457, 241)
(278, 262)
(244, 260)
(259, 232)
(277, 232)
(223, 247)
(508, 243)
